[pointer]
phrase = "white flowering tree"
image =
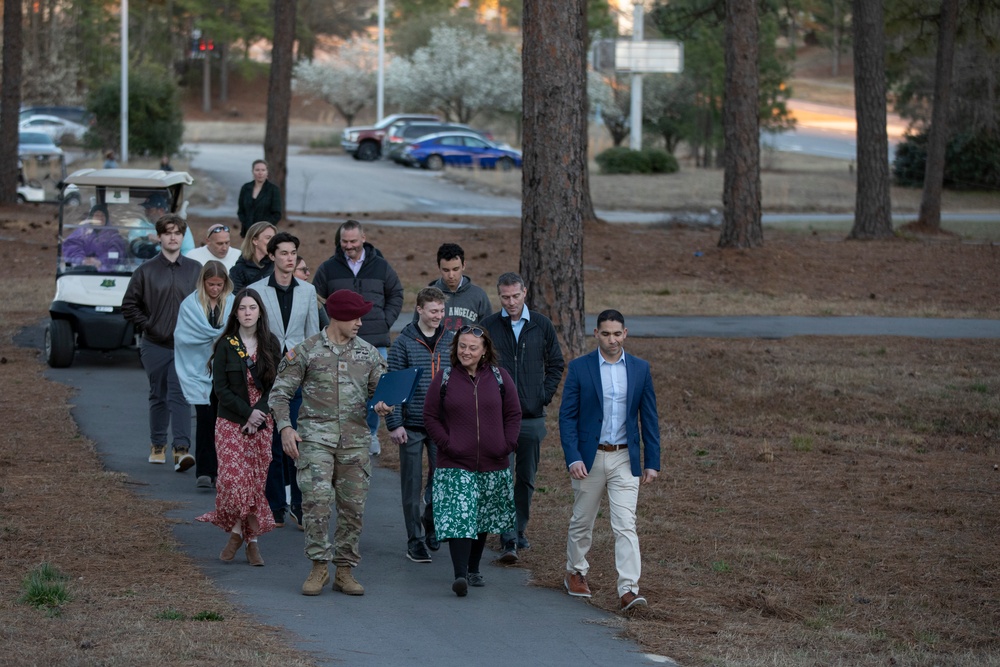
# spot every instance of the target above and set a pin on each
(458, 74)
(347, 80)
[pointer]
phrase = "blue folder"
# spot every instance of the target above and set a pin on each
(397, 387)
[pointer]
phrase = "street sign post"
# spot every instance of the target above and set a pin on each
(640, 57)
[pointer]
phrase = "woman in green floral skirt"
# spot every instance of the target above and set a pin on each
(474, 420)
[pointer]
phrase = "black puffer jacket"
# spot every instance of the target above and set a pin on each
(376, 282)
(535, 361)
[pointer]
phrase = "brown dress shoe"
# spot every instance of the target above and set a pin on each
(576, 585)
(630, 600)
(232, 546)
(253, 554)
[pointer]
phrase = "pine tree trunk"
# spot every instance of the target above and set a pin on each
(555, 164)
(872, 210)
(279, 95)
(741, 227)
(10, 99)
(937, 140)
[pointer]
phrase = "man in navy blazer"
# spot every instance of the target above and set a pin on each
(608, 409)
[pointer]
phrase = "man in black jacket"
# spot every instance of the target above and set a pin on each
(529, 350)
(358, 266)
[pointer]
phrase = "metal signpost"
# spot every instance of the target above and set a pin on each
(640, 57)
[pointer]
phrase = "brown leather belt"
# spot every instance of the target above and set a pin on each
(611, 448)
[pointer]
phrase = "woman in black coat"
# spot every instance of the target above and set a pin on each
(244, 366)
(259, 200)
(254, 263)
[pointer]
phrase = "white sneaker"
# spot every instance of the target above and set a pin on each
(376, 447)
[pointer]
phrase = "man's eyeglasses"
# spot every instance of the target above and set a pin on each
(217, 229)
(304, 269)
(475, 331)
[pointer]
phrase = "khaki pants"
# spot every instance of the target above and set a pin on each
(611, 471)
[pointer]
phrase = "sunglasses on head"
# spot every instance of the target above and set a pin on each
(475, 331)
(217, 229)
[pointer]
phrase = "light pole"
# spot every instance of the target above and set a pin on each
(635, 118)
(124, 101)
(380, 86)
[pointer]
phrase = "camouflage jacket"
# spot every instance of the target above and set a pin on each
(336, 382)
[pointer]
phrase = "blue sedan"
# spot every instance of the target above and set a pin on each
(459, 149)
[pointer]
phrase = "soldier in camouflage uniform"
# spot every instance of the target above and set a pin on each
(338, 373)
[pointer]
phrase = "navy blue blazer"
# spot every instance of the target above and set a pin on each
(582, 412)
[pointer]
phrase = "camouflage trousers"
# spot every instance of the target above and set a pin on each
(327, 476)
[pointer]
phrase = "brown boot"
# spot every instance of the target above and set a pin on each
(346, 583)
(253, 554)
(232, 546)
(317, 579)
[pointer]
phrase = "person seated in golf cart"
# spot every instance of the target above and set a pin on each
(143, 241)
(95, 244)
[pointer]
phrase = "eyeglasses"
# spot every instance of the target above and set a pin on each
(304, 269)
(217, 229)
(475, 331)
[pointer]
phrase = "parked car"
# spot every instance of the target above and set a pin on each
(35, 142)
(55, 127)
(74, 114)
(406, 132)
(365, 142)
(459, 149)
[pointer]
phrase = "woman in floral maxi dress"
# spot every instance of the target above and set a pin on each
(474, 422)
(243, 368)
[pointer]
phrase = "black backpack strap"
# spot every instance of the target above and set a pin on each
(496, 374)
(445, 374)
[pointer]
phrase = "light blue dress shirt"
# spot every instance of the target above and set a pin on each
(614, 383)
(517, 326)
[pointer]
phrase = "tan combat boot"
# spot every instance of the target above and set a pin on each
(346, 583)
(317, 579)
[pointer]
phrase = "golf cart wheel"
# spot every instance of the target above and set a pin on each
(59, 344)
(21, 199)
(435, 162)
(367, 151)
(505, 164)
(73, 200)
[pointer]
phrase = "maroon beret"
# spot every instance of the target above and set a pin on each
(345, 306)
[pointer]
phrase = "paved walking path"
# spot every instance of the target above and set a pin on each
(765, 326)
(408, 613)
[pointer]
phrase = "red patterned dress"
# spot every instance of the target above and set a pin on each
(243, 463)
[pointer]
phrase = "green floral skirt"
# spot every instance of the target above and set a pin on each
(468, 503)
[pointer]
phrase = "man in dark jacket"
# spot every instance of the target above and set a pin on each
(529, 351)
(151, 303)
(358, 266)
(425, 344)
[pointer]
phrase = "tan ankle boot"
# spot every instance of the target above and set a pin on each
(253, 554)
(346, 583)
(232, 546)
(317, 579)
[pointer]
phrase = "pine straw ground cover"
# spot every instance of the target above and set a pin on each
(823, 500)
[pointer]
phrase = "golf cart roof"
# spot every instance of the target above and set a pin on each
(129, 178)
